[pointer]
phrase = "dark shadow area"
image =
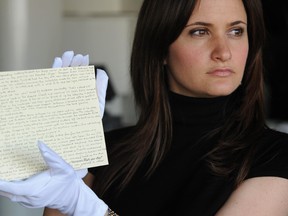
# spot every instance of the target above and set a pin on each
(276, 58)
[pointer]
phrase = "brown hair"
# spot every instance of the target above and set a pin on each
(159, 24)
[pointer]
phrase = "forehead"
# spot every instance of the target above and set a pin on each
(212, 10)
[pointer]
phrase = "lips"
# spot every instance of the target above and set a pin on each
(221, 72)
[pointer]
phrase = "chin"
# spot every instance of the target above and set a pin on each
(223, 91)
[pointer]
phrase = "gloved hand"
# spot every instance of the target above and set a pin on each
(59, 187)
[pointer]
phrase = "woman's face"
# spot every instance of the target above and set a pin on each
(208, 58)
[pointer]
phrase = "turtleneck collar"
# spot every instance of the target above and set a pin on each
(197, 111)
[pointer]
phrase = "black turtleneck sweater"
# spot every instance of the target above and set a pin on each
(183, 184)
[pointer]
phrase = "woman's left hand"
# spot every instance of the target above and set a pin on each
(59, 187)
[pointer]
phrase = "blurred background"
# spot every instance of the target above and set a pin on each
(34, 32)
(275, 62)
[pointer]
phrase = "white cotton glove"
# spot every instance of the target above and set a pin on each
(68, 59)
(59, 187)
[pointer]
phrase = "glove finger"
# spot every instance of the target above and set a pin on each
(85, 60)
(101, 86)
(31, 200)
(57, 63)
(7, 195)
(23, 200)
(28, 202)
(67, 58)
(26, 187)
(55, 163)
(77, 60)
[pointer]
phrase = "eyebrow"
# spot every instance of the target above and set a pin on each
(209, 24)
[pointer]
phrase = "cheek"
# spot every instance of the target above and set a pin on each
(240, 59)
(182, 58)
(243, 54)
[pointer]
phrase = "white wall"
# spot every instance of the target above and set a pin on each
(13, 24)
(30, 33)
(101, 6)
(44, 32)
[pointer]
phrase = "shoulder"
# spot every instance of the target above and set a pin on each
(258, 196)
(265, 190)
(271, 157)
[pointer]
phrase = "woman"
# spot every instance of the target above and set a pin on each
(201, 134)
(200, 146)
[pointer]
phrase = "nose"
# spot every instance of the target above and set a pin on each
(221, 50)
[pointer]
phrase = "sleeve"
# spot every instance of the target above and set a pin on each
(272, 158)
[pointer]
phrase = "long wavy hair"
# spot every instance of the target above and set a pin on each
(160, 22)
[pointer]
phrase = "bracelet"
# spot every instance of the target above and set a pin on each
(111, 213)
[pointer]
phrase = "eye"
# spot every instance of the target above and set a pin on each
(236, 32)
(199, 32)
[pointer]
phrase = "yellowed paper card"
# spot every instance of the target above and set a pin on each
(58, 106)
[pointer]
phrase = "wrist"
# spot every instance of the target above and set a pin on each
(88, 204)
(110, 213)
